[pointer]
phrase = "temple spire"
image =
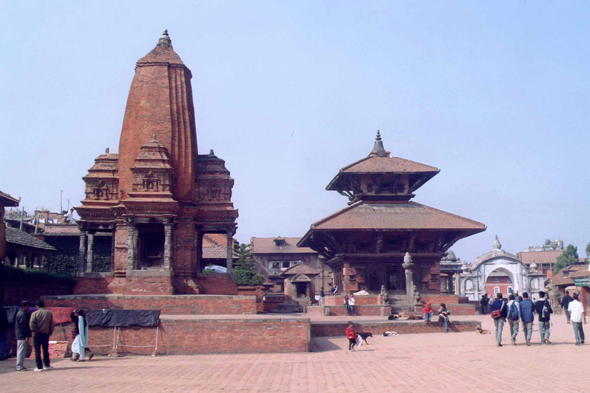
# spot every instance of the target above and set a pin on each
(165, 40)
(378, 149)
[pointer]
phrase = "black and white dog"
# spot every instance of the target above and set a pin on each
(362, 337)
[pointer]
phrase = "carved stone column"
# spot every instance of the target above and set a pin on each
(167, 245)
(458, 284)
(408, 266)
(230, 253)
(82, 252)
(90, 253)
(131, 245)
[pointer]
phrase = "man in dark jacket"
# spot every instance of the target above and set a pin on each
(500, 305)
(565, 302)
(22, 331)
(544, 311)
(527, 313)
(484, 303)
(42, 327)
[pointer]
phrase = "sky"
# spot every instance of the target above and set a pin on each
(495, 94)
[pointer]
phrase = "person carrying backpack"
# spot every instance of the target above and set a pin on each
(527, 314)
(499, 313)
(544, 311)
(513, 317)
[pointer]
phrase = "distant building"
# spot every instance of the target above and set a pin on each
(276, 255)
(544, 256)
(5, 201)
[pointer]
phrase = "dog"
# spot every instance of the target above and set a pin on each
(393, 317)
(388, 333)
(413, 317)
(479, 330)
(362, 337)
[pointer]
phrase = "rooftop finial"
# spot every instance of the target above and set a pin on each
(165, 40)
(378, 149)
(107, 150)
(154, 138)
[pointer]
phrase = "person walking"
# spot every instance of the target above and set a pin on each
(544, 311)
(351, 336)
(346, 304)
(500, 314)
(444, 316)
(576, 310)
(513, 317)
(80, 343)
(22, 331)
(351, 303)
(484, 303)
(527, 314)
(42, 326)
(565, 301)
(427, 312)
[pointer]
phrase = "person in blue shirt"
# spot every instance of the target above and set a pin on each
(513, 312)
(500, 305)
(527, 314)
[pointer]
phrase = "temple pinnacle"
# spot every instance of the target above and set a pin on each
(378, 149)
(154, 138)
(165, 40)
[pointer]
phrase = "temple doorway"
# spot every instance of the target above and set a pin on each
(150, 246)
(396, 280)
(302, 289)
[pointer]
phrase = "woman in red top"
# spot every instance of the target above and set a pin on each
(427, 312)
(351, 336)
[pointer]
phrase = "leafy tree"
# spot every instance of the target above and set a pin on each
(569, 257)
(588, 250)
(244, 268)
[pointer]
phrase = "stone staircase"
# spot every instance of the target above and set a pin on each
(289, 308)
(399, 303)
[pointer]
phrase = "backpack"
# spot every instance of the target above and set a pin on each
(498, 313)
(545, 312)
(513, 313)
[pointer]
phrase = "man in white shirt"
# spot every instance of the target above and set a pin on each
(576, 310)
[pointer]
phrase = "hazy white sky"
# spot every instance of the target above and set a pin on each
(495, 94)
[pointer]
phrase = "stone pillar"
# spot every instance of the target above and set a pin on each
(230, 251)
(167, 245)
(458, 284)
(408, 265)
(131, 246)
(90, 252)
(199, 250)
(82, 252)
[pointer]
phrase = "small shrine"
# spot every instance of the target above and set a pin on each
(366, 242)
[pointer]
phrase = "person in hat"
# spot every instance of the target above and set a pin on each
(22, 331)
(80, 344)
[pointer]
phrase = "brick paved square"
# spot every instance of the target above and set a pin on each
(463, 362)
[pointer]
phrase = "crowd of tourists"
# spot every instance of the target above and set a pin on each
(519, 310)
(38, 326)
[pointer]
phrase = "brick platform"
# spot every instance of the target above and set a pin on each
(338, 328)
(167, 304)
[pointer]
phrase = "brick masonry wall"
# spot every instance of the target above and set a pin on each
(455, 309)
(93, 285)
(219, 284)
(171, 305)
(333, 329)
(14, 293)
(190, 337)
(359, 300)
(446, 299)
(258, 292)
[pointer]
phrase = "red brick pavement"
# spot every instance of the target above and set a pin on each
(453, 362)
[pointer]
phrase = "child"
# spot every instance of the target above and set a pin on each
(427, 312)
(443, 316)
(351, 336)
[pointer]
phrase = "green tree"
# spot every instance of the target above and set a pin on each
(569, 257)
(588, 250)
(245, 267)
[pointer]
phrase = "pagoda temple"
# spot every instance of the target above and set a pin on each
(382, 238)
(158, 196)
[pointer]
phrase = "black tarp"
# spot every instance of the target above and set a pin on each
(11, 313)
(123, 318)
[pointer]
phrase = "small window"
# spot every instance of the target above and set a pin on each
(496, 290)
(286, 264)
(496, 279)
(275, 265)
(510, 290)
(508, 279)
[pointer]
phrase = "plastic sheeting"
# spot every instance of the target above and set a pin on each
(123, 318)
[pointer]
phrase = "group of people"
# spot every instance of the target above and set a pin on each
(39, 325)
(444, 315)
(522, 309)
(349, 302)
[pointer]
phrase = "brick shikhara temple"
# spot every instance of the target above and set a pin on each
(382, 238)
(157, 197)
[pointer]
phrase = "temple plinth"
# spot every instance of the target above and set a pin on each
(365, 243)
(157, 197)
